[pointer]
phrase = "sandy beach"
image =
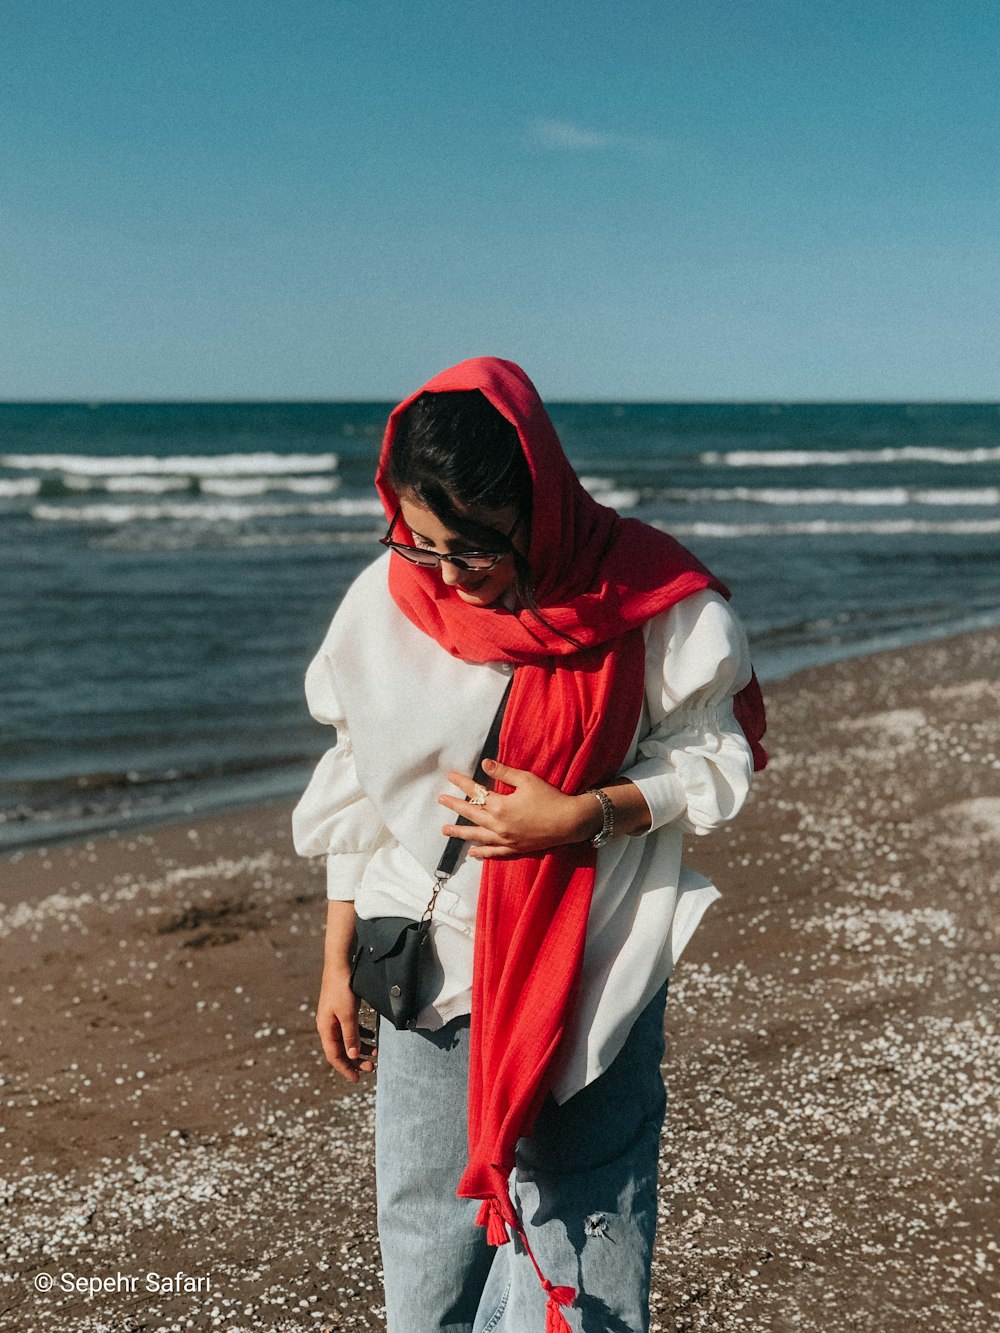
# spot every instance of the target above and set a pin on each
(171, 1130)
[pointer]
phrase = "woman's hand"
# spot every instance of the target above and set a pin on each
(337, 1008)
(534, 817)
(337, 1024)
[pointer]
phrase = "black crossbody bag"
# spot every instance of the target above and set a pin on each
(388, 950)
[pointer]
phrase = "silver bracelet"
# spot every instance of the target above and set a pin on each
(608, 827)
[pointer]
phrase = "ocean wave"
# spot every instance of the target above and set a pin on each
(52, 809)
(201, 511)
(176, 538)
(915, 453)
(821, 527)
(608, 492)
(873, 496)
(623, 499)
(231, 511)
(54, 485)
(121, 485)
(190, 465)
(243, 486)
(987, 495)
(321, 538)
(15, 488)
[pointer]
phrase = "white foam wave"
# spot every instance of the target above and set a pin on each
(623, 499)
(885, 496)
(241, 486)
(607, 492)
(190, 465)
(916, 453)
(820, 527)
(200, 511)
(987, 495)
(232, 487)
(12, 488)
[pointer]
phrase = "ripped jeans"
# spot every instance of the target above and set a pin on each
(584, 1187)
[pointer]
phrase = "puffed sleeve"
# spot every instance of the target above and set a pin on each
(334, 817)
(695, 765)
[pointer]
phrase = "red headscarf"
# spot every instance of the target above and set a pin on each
(570, 719)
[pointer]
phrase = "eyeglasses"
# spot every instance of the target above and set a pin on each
(468, 560)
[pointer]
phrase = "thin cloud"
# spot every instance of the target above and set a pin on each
(565, 135)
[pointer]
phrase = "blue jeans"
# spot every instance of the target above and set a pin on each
(584, 1186)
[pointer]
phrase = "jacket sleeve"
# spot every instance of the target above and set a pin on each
(694, 767)
(334, 818)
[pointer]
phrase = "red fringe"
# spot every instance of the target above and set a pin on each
(554, 1321)
(489, 1216)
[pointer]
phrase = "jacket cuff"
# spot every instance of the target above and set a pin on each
(662, 790)
(343, 874)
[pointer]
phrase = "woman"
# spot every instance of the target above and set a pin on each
(517, 1124)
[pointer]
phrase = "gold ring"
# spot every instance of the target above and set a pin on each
(480, 796)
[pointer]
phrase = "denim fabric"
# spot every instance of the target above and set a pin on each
(584, 1186)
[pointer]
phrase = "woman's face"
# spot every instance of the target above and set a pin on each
(472, 586)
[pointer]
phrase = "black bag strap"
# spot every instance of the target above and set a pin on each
(452, 851)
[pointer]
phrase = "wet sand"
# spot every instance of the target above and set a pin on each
(829, 1151)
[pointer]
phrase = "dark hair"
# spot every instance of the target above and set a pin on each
(455, 448)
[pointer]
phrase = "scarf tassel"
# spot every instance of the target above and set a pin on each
(554, 1320)
(490, 1217)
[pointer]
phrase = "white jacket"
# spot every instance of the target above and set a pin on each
(406, 712)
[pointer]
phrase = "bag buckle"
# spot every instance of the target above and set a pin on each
(439, 878)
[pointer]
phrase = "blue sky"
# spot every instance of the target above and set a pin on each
(336, 198)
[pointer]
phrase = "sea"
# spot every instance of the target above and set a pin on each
(167, 570)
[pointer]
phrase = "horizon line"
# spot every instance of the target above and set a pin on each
(560, 402)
